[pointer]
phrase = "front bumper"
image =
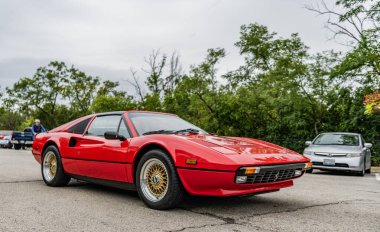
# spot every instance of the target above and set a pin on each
(223, 183)
(4, 142)
(22, 142)
(341, 163)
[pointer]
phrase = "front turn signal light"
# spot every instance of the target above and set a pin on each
(191, 161)
(308, 165)
(250, 171)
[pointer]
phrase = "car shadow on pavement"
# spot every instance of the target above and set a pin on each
(101, 188)
(191, 202)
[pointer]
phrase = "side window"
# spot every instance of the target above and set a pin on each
(79, 127)
(103, 124)
(123, 130)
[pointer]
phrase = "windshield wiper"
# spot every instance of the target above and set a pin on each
(159, 132)
(189, 130)
(335, 144)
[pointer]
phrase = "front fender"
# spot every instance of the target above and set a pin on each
(180, 150)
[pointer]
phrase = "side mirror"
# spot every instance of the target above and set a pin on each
(113, 136)
(368, 145)
(308, 143)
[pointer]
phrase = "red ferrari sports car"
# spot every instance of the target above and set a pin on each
(163, 157)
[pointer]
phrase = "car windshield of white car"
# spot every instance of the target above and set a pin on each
(337, 139)
(5, 133)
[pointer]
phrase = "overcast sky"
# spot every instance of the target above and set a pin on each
(106, 38)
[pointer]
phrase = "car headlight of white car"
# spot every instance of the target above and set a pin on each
(349, 155)
(308, 153)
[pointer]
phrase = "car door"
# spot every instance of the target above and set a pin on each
(102, 158)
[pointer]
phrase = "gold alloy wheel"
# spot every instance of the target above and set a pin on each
(50, 166)
(53, 166)
(154, 180)
(157, 179)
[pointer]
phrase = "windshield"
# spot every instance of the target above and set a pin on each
(337, 139)
(5, 133)
(148, 122)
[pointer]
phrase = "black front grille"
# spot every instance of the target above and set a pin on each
(271, 176)
(274, 173)
(336, 165)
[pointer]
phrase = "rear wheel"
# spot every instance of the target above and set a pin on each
(157, 182)
(309, 170)
(52, 169)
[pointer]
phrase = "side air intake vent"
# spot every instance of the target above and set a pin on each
(72, 142)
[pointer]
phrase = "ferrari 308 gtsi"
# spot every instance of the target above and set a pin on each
(163, 157)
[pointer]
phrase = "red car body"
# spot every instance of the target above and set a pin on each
(206, 164)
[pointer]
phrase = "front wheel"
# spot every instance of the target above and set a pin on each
(362, 172)
(157, 182)
(369, 169)
(52, 169)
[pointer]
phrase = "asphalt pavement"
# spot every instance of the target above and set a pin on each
(321, 201)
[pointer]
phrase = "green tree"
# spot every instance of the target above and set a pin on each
(55, 94)
(108, 98)
(10, 120)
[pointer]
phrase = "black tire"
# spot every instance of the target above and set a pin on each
(175, 192)
(60, 178)
(362, 172)
(309, 170)
(17, 146)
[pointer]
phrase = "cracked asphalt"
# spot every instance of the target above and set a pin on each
(318, 202)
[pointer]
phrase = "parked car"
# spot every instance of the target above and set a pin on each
(5, 137)
(5, 142)
(162, 157)
(339, 151)
(22, 139)
(4, 133)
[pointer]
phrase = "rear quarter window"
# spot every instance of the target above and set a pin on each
(80, 127)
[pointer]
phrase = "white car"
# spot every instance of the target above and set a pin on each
(339, 151)
(6, 142)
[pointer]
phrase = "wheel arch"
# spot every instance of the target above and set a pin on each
(144, 149)
(47, 144)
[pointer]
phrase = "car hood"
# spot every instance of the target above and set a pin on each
(333, 149)
(246, 150)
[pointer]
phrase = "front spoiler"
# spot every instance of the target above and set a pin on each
(222, 183)
(337, 168)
